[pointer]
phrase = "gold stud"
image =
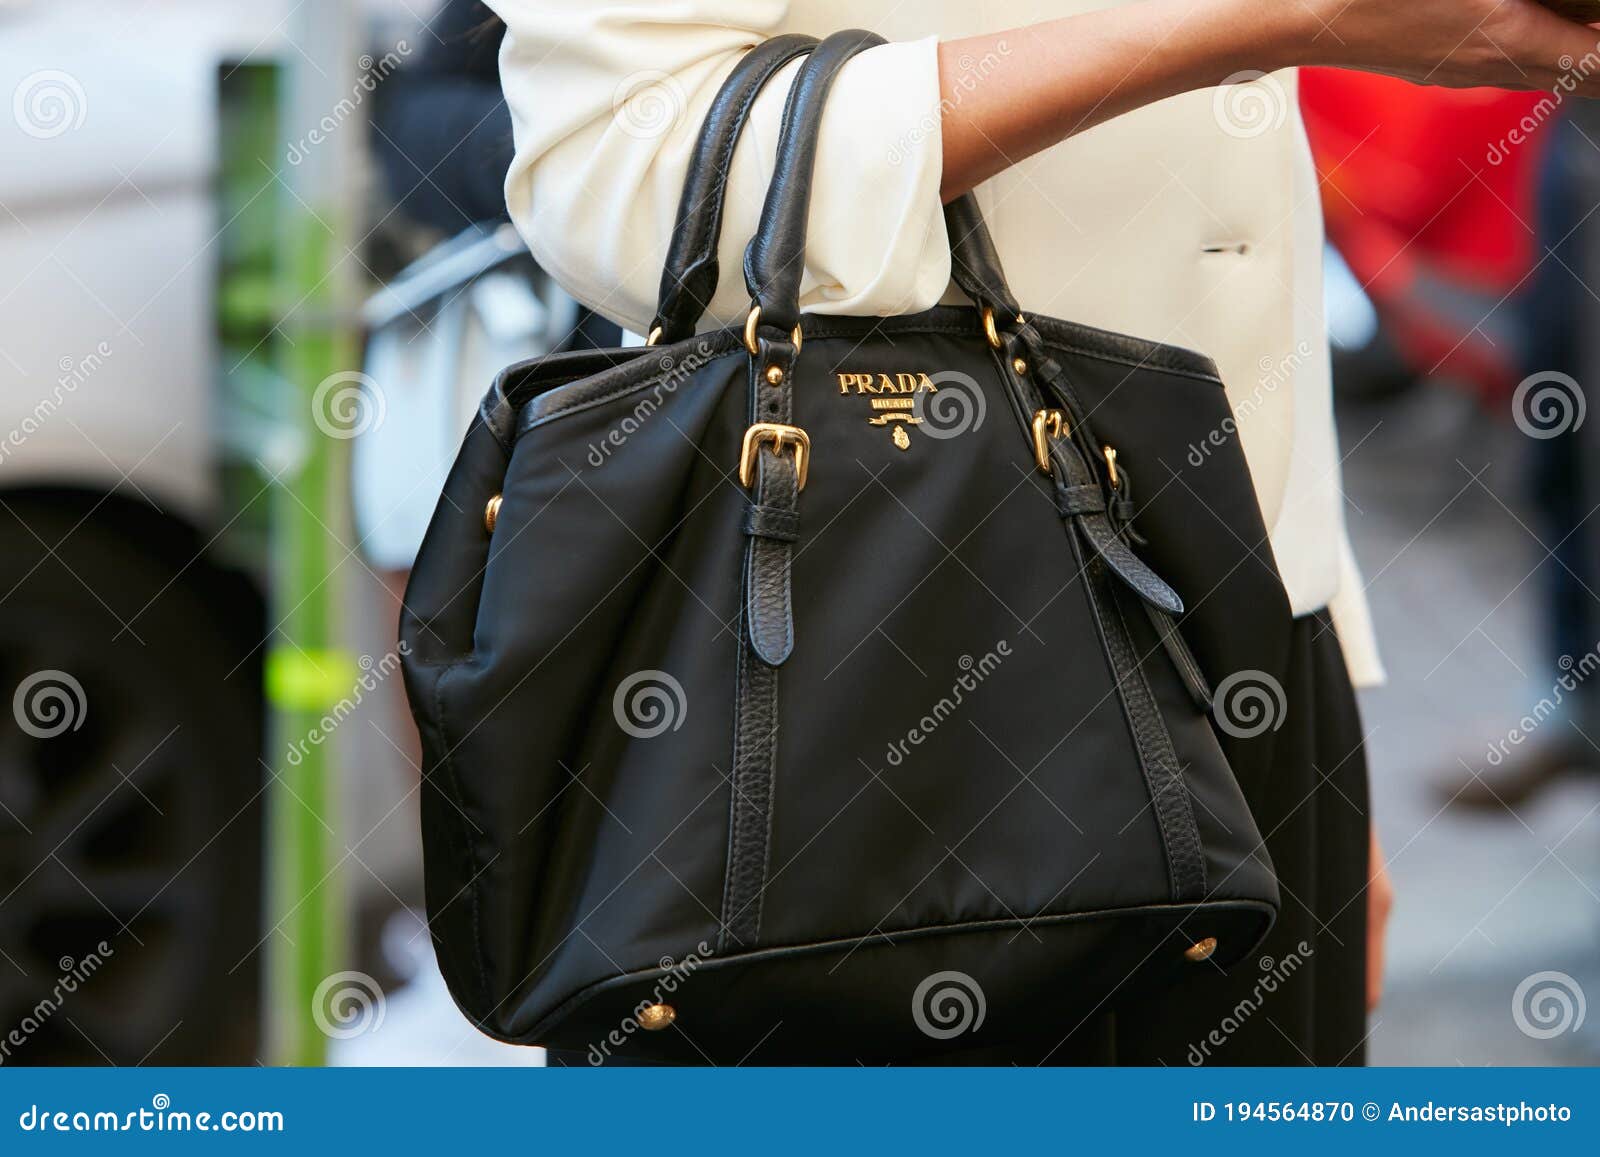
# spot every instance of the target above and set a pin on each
(491, 514)
(1201, 950)
(1020, 366)
(655, 1017)
(774, 375)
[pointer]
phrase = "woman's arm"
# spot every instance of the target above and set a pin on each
(1043, 83)
(607, 98)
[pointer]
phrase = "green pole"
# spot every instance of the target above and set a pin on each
(307, 673)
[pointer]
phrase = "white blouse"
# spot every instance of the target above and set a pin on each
(1195, 221)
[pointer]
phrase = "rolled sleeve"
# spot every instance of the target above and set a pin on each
(607, 101)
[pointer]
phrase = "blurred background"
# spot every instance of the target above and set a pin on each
(254, 269)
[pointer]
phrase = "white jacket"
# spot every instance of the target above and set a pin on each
(1195, 221)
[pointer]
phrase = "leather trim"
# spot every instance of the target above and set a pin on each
(1134, 352)
(1100, 553)
(542, 389)
(847, 944)
(1174, 809)
(771, 522)
(1172, 641)
(755, 753)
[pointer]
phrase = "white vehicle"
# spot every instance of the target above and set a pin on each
(131, 771)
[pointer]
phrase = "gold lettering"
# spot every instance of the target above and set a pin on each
(896, 383)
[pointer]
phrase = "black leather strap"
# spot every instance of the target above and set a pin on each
(1103, 555)
(775, 260)
(690, 278)
(974, 261)
(766, 639)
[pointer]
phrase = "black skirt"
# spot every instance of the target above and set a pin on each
(1302, 1000)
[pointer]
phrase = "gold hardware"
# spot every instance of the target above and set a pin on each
(655, 1017)
(1046, 424)
(780, 436)
(1111, 466)
(894, 410)
(989, 330)
(902, 383)
(774, 375)
(901, 438)
(753, 320)
(491, 514)
(1201, 950)
(655, 336)
(1020, 366)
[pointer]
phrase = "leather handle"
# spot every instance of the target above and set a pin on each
(690, 278)
(775, 260)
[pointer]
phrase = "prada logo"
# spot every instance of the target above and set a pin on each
(893, 400)
(886, 384)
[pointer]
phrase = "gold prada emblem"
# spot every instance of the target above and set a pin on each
(892, 398)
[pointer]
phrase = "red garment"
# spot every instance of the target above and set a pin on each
(1429, 196)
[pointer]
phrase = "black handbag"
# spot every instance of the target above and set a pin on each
(810, 691)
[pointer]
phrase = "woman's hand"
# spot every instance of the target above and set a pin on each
(1380, 899)
(1457, 43)
(1043, 83)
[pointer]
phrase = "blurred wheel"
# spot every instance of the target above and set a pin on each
(130, 796)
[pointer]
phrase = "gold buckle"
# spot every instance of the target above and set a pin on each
(753, 320)
(780, 436)
(655, 336)
(1111, 466)
(1046, 424)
